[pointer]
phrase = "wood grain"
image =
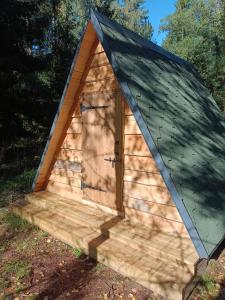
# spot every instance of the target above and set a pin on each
(157, 223)
(147, 192)
(131, 126)
(143, 177)
(64, 190)
(140, 163)
(71, 155)
(73, 141)
(134, 144)
(158, 209)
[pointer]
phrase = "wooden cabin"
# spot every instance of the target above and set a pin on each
(104, 183)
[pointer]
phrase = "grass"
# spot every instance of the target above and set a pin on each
(42, 234)
(16, 223)
(20, 182)
(27, 245)
(207, 288)
(99, 268)
(77, 252)
(14, 270)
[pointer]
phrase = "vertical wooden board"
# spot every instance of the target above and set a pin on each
(134, 144)
(102, 136)
(101, 132)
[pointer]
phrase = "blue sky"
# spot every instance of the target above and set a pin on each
(158, 9)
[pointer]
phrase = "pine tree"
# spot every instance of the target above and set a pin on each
(132, 15)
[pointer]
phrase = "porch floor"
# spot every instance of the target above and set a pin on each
(162, 262)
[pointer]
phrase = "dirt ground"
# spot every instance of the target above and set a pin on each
(53, 270)
(34, 265)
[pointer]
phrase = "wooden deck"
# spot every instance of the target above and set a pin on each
(159, 261)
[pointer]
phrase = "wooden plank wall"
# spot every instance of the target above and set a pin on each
(66, 175)
(65, 178)
(146, 197)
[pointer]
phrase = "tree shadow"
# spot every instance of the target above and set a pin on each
(77, 276)
(185, 124)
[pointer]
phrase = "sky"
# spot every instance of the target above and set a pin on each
(158, 9)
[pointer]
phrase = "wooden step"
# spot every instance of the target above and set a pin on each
(164, 278)
(74, 211)
(140, 237)
(62, 229)
(159, 244)
(119, 245)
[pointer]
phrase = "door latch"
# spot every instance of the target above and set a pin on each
(112, 160)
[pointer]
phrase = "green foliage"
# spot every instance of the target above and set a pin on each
(20, 183)
(27, 245)
(16, 223)
(208, 282)
(42, 234)
(208, 287)
(77, 252)
(17, 269)
(99, 267)
(39, 39)
(132, 15)
(196, 32)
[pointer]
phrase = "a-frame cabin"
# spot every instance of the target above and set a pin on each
(120, 174)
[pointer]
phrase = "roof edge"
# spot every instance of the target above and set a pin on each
(150, 142)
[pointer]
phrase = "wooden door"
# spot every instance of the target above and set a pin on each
(102, 149)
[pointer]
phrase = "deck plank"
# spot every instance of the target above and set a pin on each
(156, 260)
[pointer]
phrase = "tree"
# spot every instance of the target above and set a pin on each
(132, 15)
(196, 32)
(39, 39)
(23, 92)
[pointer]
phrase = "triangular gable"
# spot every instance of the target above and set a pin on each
(154, 83)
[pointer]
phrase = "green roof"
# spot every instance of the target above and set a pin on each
(181, 123)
